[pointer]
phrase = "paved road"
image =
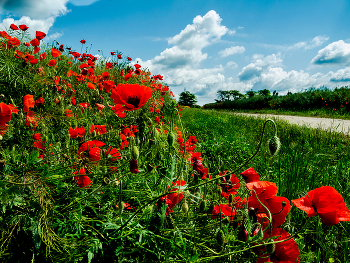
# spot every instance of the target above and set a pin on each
(336, 125)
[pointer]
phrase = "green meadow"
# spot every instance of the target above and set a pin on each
(308, 158)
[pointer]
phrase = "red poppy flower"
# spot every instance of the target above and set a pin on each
(91, 86)
(88, 146)
(108, 85)
(134, 167)
(287, 251)
(119, 56)
(327, 203)
(13, 27)
(114, 152)
(263, 190)
(55, 53)
(13, 41)
(100, 129)
(100, 106)
(31, 120)
(40, 35)
(5, 113)
(52, 62)
(127, 76)
(83, 41)
(95, 154)
(226, 210)
(82, 180)
(68, 113)
(250, 175)
(77, 132)
(230, 186)
(23, 27)
(35, 42)
(174, 197)
(133, 96)
(113, 53)
(118, 109)
(39, 101)
(129, 58)
(28, 102)
(34, 61)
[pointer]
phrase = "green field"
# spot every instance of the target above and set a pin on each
(308, 158)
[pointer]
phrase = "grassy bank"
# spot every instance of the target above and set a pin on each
(308, 159)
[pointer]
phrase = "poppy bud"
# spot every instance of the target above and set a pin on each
(202, 206)
(220, 237)
(184, 207)
(230, 199)
(120, 206)
(134, 167)
(171, 138)
(245, 213)
(274, 145)
(270, 248)
(134, 152)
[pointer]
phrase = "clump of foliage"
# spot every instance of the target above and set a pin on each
(96, 167)
(337, 100)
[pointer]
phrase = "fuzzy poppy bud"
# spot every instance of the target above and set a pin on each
(220, 237)
(274, 145)
(184, 207)
(134, 152)
(245, 213)
(230, 199)
(171, 138)
(270, 248)
(202, 206)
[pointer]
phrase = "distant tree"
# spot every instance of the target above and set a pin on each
(251, 93)
(264, 92)
(236, 95)
(187, 98)
(275, 93)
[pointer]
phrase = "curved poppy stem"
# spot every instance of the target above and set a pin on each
(268, 211)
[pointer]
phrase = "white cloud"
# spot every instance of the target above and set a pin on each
(231, 51)
(82, 2)
(315, 42)
(54, 36)
(335, 53)
(342, 75)
(204, 31)
(232, 65)
(36, 9)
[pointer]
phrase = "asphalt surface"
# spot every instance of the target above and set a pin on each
(334, 125)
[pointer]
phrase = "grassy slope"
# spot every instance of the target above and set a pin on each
(308, 159)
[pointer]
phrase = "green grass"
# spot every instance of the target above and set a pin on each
(309, 158)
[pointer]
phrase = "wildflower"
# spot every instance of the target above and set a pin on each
(77, 132)
(52, 62)
(113, 53)
(28, 102)
(82, 180)
(226, 210)
(88, 146)
(13, 27)
(326, 202)
(83, 41)
(119, 56)
(133, 96)
(229, 186)
(40, 35)
(250, 175)
(174, 197)
(287, 251)
(134, 167)
(114, 152)
(129, 58)
(55, 53)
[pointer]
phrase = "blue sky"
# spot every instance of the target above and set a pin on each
(205, 46)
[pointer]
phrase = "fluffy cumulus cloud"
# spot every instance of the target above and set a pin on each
(180, 64)
(335, 53)
(38, 15)
(36, 9)
(268, 73)
(231, 51)
(342, 75)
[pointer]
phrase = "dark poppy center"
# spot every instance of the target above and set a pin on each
(134, 100)
(273, 256)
